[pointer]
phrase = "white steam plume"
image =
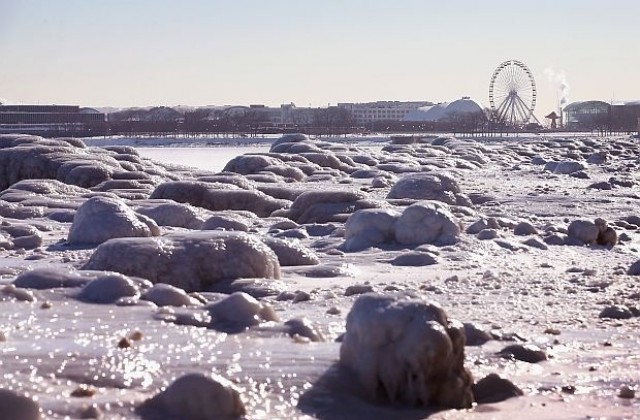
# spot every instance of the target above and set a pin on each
(559, 79)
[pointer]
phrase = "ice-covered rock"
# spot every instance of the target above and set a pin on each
(583, 232)
(429, 186)
(166, 295)
(369, 227)
(218, 197)
(108, 288)
(586, 232)
(492, 389)
(634, 269)
(49, 278)
(18, 407)
(414, 259)
(304, 328)
(173, 214)
(21, 236)
(239, 311)
(406, 351)
(427, 222)
(195, 397)
(325, 206)
(524, 229)
(190, 261)
(291, 253)
(227, 222)
(566, 167)
(103, 218)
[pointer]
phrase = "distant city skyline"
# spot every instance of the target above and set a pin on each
(147, 53)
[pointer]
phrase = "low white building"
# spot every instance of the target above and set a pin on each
(367, 112)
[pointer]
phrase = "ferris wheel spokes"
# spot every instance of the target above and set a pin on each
(512, 93)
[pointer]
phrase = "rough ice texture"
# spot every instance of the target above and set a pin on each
(103, 218)
(67, 160)
(49, 278)
(429, 186)
(190, 261)
(325, 206)
(427, 222)
(239, 311)
(171, 213)
(228, 221)
(166, 295)
(108, 288)
(195, 397)
(586, 232)
(21, 236)
(405, 351)
(370, 227)
(18, 407)
(217, 196)
(291, 253)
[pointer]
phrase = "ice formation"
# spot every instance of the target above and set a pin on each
(427, 222)
(102, 218)
(406, 351)
(190, 261)
(238, 311)
(195, 397)
(429, 186)
(370, 227)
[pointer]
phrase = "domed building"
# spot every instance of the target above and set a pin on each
(446, 111)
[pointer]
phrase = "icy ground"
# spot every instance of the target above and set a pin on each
(543, 286)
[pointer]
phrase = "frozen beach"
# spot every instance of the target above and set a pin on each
(529, 242)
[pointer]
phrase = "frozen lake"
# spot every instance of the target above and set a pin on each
(210, 158)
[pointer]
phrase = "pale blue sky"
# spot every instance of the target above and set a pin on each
(152, 52)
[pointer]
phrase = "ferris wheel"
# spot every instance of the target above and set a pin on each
(512, 93)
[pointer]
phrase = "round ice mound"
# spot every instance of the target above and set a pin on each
(405, 351)
(166, 295)
(17, 407)
(103, 218)
(427, 222)
(108, 289)
(195, 397)
(239, 311)
(369, 227)
(191, 261)
(429, 186)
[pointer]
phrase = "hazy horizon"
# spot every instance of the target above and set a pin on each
(194, 53)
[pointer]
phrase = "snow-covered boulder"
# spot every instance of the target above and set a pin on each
(108, 288)
(406, 351)
(21, 236)
(291, 252)
(218, 197)
(103, 218)
(166, 295)
(190, 261)
(239, 311)
(251, 164)
(427, 222)
(586, 232)
(195, 397)
(290, 138)
(227, 222)
(566, 167)
(50, 278)
(369, 227)
(429, 186)
(173, 214)
(325, 206)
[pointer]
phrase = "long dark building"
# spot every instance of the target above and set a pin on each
(50, 119)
